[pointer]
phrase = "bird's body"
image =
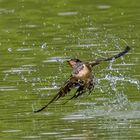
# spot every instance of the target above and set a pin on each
(81, 77)
(82, 71)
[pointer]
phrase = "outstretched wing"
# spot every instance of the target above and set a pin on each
(98, 61)
(70, 83)
(78, 92)
(89, 86)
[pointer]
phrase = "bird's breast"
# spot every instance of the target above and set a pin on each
(83, 72)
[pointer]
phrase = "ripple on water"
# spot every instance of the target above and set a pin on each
(25, 58)
(11, 131)
(87, 45)
(47, 88)
(29, 65)
(67, 13)
(103, 6)
(55, 59)
(31, 137)
(8, 88)
(18, 70)
(6, 11)
(24, 49)
(51, 133)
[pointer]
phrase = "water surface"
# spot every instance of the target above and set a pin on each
(36, 39)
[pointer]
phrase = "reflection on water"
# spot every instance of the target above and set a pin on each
(36, 40)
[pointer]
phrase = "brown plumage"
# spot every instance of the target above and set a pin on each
(81, 77)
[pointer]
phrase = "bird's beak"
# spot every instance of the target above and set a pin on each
(69, 62)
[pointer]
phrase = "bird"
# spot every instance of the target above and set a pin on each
(81, 77)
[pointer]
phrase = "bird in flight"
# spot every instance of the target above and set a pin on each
(81, 77)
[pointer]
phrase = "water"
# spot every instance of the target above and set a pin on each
(36, 39)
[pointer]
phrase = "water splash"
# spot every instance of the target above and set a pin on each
(117, 103)
(114, 79)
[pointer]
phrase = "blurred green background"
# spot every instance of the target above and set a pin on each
(36, 39)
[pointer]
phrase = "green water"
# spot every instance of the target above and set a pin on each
(36, 39)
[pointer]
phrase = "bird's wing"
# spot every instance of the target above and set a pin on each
(70, 83)
(89, 86)
(98, 61)
(78, 93)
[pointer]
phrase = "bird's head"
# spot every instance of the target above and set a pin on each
(73, 62)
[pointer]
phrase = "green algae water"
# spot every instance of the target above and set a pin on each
(36, 39)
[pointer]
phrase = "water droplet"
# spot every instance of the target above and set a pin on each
(44, 45)
(9, 49)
